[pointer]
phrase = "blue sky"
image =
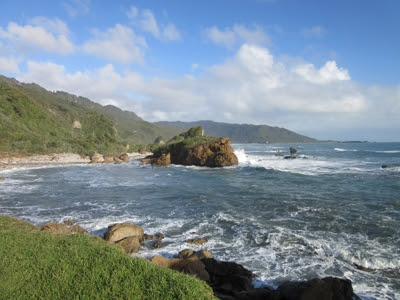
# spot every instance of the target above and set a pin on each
(326, 69)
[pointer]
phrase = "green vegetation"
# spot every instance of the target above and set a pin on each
(244, 133)
(39, 265)
(34, 120)
(180, 144)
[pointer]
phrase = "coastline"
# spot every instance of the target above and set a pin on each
(15, 161)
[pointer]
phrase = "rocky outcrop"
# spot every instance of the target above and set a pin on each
(192, 266)
(58, 228)
(130, 237)
(325, 288)
(193, 148)
(215, 154)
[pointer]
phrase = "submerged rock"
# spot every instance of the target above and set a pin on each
(198, 241)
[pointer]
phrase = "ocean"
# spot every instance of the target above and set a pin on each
(332, 211)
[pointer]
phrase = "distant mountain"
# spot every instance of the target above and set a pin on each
(244, 133)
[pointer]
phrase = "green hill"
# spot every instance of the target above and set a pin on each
(39, 265)
(244, 133)
(34, 120)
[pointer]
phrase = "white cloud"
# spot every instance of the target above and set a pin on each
(76, 7)
(252, 86)
(33, 37)
(9, 65)
(147, 22)
(119, 44)
(314, 32)
(328, 73)
(239, 34)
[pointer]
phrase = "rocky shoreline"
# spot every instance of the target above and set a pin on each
(13, 161)
(229, 280)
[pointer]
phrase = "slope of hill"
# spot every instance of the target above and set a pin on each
(60, 111)
(30, 126)
(244, 133)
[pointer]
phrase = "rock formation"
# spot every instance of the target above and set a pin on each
(192, 148)
(58, 228)
(130, 237)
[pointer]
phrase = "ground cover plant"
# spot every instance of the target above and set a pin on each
(40, 265)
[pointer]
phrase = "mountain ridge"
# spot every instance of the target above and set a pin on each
(244, 133)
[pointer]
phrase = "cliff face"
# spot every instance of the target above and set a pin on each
(192, 148)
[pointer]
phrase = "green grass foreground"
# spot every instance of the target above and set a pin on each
(39, 265)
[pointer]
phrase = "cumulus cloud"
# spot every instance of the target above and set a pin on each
(239, 34)
(252, 86)
(328, 73)
(119, 44)
(146, 21)
(314, 32)
(37, 36)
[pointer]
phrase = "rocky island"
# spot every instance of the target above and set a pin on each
(193, 148)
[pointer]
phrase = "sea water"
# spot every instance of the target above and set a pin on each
(332, 211)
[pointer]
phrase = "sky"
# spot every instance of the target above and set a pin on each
(326, 69)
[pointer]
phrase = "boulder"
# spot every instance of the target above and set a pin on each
(186, 253)
(124, 157)
(192, 266)
(328, 288)
(57, 228)
(108, 159)
(198, 241)
(96, 158)
(157, 244)
(130, 244)
(117, 160)
(117, 232)
(228, 277)
(162, 161)
(292, 150)
(202, 254)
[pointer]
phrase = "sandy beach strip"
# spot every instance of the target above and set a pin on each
(16, 161)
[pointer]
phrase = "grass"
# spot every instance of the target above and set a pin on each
(39, 265)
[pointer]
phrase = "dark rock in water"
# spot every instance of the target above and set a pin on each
(257, 294)
(192, 266)
(362, 268)
(198, 241)
(57, 228)
(328, 288)
(289, 157)
(292, 150)
(386, 167)
(228, 277)
(157, 244)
